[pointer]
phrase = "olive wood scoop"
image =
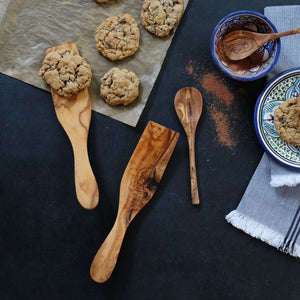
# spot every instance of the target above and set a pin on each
(188, 105)
(74, 115)
(139, 182)
(240, 44)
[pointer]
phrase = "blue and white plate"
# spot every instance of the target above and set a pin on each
(282, 87)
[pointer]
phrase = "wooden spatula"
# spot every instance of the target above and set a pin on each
(139, 182)
(74, 115)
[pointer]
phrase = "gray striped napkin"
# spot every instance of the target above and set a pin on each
(270, 208)
(3, 6)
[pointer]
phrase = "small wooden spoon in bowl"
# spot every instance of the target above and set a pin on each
(240, 44)
(74, 115)
(188, 105)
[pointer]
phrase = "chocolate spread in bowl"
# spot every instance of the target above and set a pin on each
(247, 63)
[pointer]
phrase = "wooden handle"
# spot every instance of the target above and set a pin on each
(193, 172)
(106, 258)
(285, 33)
(85, 182)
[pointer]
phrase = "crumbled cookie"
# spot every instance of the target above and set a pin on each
(160, 16)
(118, 37)
(66, 72)
(287, 120)
(119, 86)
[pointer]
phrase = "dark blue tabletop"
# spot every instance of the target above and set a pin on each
(172, 250)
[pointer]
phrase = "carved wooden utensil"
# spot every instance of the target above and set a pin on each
(139, 182)
(240, 44)
(188, 105)
(74, 115)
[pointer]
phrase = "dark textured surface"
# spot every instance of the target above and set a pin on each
(172, 250)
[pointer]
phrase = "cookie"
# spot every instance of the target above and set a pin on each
(119, 86)
(118, 37)
(66, 72)
(160, 16)
(287, 121)
(100, 1)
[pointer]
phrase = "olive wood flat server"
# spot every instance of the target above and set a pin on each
(74, 115)
(139, 182)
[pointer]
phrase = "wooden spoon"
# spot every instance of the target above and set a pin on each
(188, 105)
(139, 182)
(239, 44)
(74, 115)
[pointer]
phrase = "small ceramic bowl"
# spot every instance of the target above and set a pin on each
(253, 21)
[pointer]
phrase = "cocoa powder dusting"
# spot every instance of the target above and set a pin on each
(220, 110)
(190, 68)
(223, 128)
(214, 85)
(193, 71)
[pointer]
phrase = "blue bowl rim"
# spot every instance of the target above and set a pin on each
(249, 12)
(271, 82)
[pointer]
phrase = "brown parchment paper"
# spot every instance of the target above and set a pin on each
(28, 27)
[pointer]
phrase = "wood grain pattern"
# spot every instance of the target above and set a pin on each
(188, 105)
(139, 182)
(74, 114)
(240, 44)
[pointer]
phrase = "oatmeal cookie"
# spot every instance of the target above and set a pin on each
(160, 16)
(119, 86)
(287, 120)
(66, 72)
(118, 37)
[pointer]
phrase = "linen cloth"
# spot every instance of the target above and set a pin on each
(3, 6)
(270, 208)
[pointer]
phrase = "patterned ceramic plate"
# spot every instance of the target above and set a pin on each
(284, 86)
